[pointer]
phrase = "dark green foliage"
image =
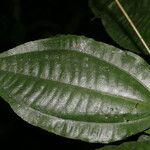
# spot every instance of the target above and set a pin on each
(118, 27)
(74, 86)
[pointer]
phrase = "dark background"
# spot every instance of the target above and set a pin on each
(25, 20)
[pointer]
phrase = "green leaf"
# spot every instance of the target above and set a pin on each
(147, 131)
(118, 27)
(129, 146)
(144, 137)
(78, 88)
(136, 145)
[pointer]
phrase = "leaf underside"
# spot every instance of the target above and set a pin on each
(117, 25)
(78, 88)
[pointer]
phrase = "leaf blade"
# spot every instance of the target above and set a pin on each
(78, 87)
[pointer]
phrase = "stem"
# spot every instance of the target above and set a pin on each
(132, 25)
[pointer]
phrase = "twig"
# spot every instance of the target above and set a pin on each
(132, 25)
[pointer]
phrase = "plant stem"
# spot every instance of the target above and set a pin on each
(132, 25)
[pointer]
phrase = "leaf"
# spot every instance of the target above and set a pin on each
(144, 137)
(147, 131)
(136, 145)
(118, 27)
(77, 88)
(130, 146)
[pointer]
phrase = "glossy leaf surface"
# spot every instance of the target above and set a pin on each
(118, 27)
(78, 88)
